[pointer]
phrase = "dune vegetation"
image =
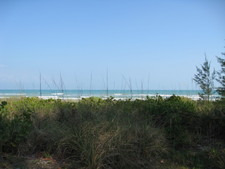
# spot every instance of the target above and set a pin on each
(155, 133)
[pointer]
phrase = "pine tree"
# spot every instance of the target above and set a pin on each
(221, 76)
(205, 79)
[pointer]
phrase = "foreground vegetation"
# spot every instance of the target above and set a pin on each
(173, 133)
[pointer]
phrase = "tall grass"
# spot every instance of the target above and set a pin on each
(100, 134)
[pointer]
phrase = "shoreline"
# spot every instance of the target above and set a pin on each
(103, 94)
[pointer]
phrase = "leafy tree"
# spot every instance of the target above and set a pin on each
(221, 76)
(205, 79)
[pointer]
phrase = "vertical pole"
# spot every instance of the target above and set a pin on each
(40, 86)
(107, 83)
(91, 85)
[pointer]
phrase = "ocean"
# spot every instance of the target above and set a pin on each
(117, 94)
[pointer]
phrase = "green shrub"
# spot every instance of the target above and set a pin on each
(96, 133)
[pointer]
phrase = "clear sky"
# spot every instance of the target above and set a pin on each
(156, 43)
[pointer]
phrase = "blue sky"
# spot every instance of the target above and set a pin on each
(157, 43)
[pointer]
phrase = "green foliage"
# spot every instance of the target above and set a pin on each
(15, 125)
(205, 79)
(4, 126)
(96, 133)
(221, 76)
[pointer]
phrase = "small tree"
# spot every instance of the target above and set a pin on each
(205, 79)
(221, 76)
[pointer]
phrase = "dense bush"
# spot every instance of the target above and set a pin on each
(95, 133)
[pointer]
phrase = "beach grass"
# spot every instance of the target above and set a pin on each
(115, 134)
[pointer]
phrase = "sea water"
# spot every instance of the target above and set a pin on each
(117, 94)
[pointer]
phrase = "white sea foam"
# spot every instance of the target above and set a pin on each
(13, 94)
(117, 94)
(48, 97)
(58, 94)
(83, 97)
